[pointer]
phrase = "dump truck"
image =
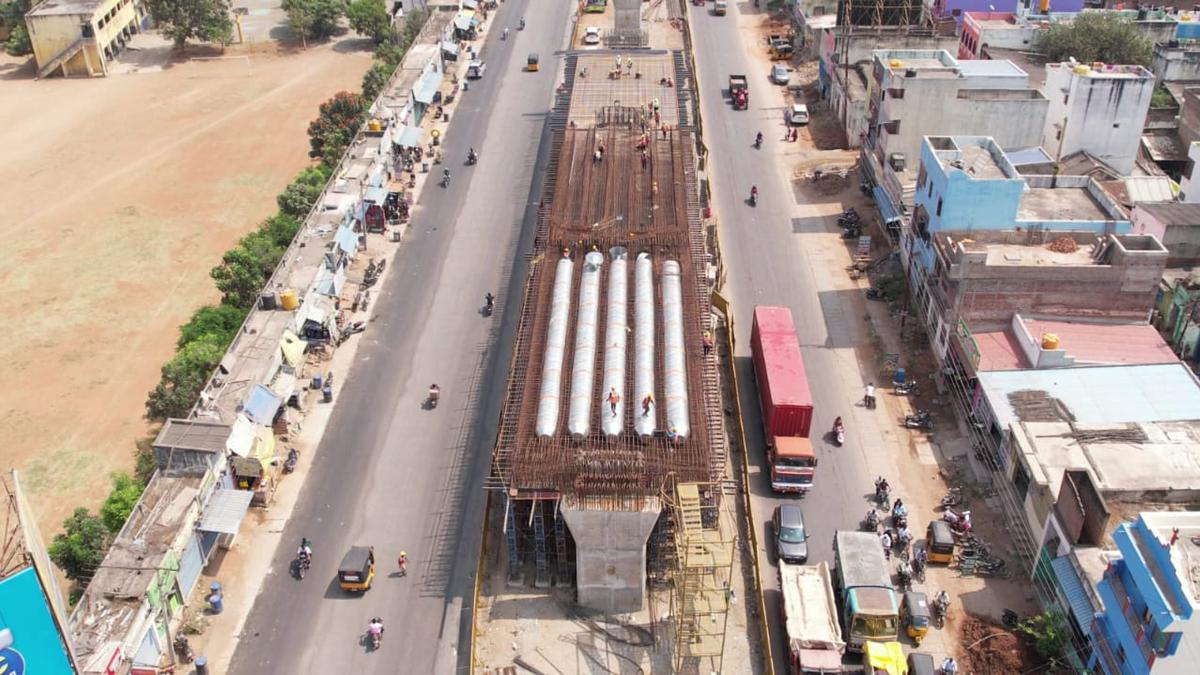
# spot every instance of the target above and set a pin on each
(739, 91)
(810, 619)
(870, 611)
(784, 397)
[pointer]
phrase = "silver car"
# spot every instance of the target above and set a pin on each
(791, 539)
(780, 74)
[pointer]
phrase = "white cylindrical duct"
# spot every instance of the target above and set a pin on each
(674, 354)
(616, 338)
(643, 342)
(556, 341)
(583, 366)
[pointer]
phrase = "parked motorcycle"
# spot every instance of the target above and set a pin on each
(952, 498)
(906, 388)
(921, 419)
(289, 464)
(183, 649)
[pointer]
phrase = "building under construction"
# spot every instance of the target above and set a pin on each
(612, 432)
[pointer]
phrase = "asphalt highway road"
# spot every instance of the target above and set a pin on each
(390, 473)
(779, 253)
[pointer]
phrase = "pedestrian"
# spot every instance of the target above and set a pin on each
(402, 563)
(664, 130)
(646, 403)
(597, 156)
(645, 159)
(614, 399)
(708, 343)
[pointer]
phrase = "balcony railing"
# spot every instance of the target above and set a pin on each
(1136, 626)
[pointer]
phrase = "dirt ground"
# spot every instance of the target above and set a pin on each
(119, 195)
(989, 648)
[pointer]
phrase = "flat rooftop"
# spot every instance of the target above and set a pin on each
(989, 68)
(1084, 343)
(1032, 63)
(980, 163)
(1060, 203)
(1097, 394)
(1107, 71)
(1028, 255)
(1185, 552)
(66, 7)
(1128, 459)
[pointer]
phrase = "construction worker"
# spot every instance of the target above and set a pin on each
(647, 403)
(614, 399)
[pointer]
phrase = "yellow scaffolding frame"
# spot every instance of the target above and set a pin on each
(704, 537)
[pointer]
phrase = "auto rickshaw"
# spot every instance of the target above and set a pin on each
(885, 657)
(939, 542)
(531, 63)
(914, 614)
(357, 569)
(920, 663)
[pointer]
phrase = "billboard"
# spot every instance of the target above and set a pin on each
(29, 638)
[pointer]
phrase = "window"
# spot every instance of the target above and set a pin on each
(930, 189)
(939, 206)
(895, 93)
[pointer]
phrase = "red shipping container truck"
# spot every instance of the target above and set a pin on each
(785, 399)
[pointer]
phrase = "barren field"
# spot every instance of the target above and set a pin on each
(117, 195)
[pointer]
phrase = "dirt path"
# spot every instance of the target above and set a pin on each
(118, 195)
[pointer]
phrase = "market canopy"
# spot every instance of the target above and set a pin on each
(410, 137)
(292, 348)
(427, 87)
(262, 405)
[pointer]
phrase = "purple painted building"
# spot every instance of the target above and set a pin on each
(956, 8)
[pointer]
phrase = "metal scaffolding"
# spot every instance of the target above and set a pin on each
(704, 535)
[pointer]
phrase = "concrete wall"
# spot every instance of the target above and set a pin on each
(112, 23)
(1182, 241)
(948, 106)
(610, 555)
(1097, 113)
(1175, 64)
(1189, 185)
(967, 203)
(1123, 289)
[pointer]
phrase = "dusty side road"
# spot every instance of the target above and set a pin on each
(116, 198)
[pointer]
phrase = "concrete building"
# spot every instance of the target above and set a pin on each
(1176, 225)
(1177, 316)
(842, 46)
(917, 93)
(77, 38)
(1099, 109)
(1029, 11)
(1176, 61)
(1189, 182)
(1150, 591)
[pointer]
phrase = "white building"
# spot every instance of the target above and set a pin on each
(1099, 108)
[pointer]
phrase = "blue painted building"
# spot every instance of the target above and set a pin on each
(1149, 595)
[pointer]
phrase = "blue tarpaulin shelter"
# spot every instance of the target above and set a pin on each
(884, 203)
(262, 405)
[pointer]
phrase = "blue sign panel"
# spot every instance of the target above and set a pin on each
(29, 638)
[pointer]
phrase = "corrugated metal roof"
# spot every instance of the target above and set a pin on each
(225, 511)
(193, 435)
(1173, 214)
(884, 203)
(1102, 394)
(1141, 189)
(1072, 588)
(1105, 344)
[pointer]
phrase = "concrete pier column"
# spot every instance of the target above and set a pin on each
(610, 554)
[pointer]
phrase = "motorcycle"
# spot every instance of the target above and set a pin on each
(881, 498)
(871, 522)
(940, 606)
(851, 231)
(758, 142)
(906, 388)
(472, 158)
(446, 178)
(375, 633)
(960, 523)
(289, 464)
(952, 498)
(303, 563)
(435, 393)
(839, 435)
(921, 419)
(489, 304)
(183, 649)
(904, 577)
(754, 197)
(874, 293)
(504, 36)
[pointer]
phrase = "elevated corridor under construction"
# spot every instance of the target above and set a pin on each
(613, 398)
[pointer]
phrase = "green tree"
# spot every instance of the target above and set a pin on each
(345, 112)
(120, 502)
(299, 196)
(79, 549)
(314, 19)
(282, 228)
(183, 20)
(183, 377)
(370, 18)
(222, 321)
(1097, 36)
(245, 269)
(333, 146)
(375, 79)
(392, 50)
(12, 14)
(1048, 631)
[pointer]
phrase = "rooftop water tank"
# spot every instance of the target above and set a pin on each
(1050, 341)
